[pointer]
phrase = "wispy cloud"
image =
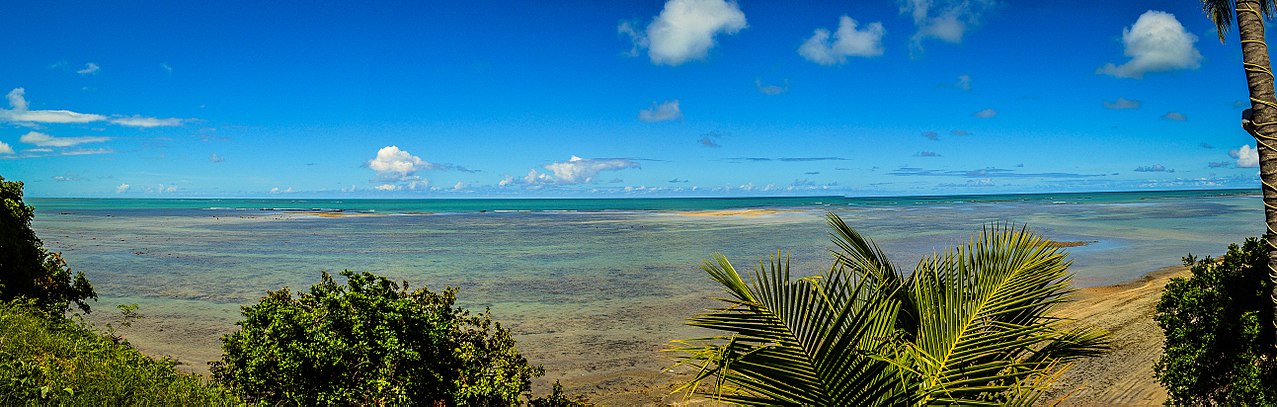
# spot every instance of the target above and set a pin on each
(122, 188)
(216, 158)
(1122, 103)
(1174, 116)
(1156, 43)
(964, 82)
(960, 133)
(986, 113)
(89, 68)
(804, 159)
(825, 48)
(985, 173)
(926, 154)
(1153, 168)
(684, 30)
(19, 112)
(931, 135)
(663, 112)
(44, 140)
(771, 90)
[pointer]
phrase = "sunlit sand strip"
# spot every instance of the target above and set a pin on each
(738, 212)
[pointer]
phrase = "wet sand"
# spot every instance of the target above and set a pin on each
(1124, 376)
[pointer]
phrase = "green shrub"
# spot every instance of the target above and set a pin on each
(1219, 346)
(51, 360)
(26, 268)
(371, 342)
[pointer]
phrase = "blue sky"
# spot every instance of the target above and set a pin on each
(611, 99)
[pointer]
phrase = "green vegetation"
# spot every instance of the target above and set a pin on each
(1219, 346)
(970, 326)
(27, 269)
(51, 360)
(371, 342)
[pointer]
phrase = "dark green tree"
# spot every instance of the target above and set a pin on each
(1219, 345)
(29, 270)
(371, 342)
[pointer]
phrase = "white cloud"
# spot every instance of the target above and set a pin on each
(985, 114)
(18, 112)
(576, 170)
(964, 82)
(122, 188)
(945, 20)
(1123, 103)
(665, 111)
(1156, 43)
(1246, 157)
(5, 148)
(398, 169)
(87, 151)
(44, 140)
(89, 68)
(506, 181)
(458, 186)
(685, 30)
(139, 121)
(847, 41)
(397, 163)
(276, 190)
(216, 158)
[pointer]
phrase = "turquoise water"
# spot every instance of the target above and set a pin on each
(592, 288)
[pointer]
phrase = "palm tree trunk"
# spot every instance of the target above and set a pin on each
(1259, 77)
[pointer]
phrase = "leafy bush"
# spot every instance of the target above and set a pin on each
(1219, 347)
(371, 342)
(26, 268)
(51, 360)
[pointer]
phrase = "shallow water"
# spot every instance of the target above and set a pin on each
(593, 295)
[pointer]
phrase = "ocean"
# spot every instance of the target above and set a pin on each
(592, 288)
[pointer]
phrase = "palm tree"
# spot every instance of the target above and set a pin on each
(1250, 16)
(969, 326)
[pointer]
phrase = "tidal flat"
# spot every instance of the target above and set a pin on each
(593, 293)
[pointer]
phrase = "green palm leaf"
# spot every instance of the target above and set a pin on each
(969, 326)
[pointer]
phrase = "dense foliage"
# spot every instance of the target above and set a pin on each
(970, 326)
(51, 360)
(371, 342)
(1219, 346)
(27, 269)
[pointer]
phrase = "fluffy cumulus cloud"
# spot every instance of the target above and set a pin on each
(827, 48)
(1156, 43)
(5, 148)
(1122, 103)
(39, 139)
(19, 112)
(662, 112)
(985, 114)
(685, 30)
(944, 20)
(122, 188)
(577, 170)
(1246, 156)
(397, 169)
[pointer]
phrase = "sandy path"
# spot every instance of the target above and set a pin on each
(1125, 375)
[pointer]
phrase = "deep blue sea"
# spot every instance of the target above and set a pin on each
(592, 288)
